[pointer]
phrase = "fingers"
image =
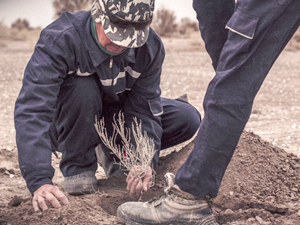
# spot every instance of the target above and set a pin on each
(131, 183)
(60, 196)
(147, 183)
(48, 193)
(129, 176)
(134, 185)
(53, 200)
(133, 171)
(130, 180)
(40, 202)
(137, 187)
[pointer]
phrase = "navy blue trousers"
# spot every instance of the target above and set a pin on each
(242, 56)
(73, 132)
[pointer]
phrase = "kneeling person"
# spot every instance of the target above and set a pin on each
(87, 65)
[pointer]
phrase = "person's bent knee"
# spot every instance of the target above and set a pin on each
(191, 118)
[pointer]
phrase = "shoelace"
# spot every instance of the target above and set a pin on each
(157, 200)
(169, 183)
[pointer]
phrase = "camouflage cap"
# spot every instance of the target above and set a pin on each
(125, 22)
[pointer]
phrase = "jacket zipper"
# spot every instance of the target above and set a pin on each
(111, 60)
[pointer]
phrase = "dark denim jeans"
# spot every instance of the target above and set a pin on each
(73, 132)
(258, 30)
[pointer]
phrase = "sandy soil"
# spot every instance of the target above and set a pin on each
(261, 185)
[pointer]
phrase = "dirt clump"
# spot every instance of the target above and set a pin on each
(260, 186)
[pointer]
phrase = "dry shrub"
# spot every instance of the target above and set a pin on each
(4, 31)
(21, 24)
(187, 26)
(19, 32)
(130, 156)
(164, 22)
(71, 6)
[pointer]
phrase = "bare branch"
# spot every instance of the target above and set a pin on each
(129, 156)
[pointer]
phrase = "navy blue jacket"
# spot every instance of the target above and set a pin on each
(67, 47)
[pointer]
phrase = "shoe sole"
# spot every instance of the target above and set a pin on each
(122, 218)
(77, 193)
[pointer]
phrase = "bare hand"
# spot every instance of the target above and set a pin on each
(137, 185)
(48, 193)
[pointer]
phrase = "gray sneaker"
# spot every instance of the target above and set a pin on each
(106, 160)
(83, 183)
(173, 207)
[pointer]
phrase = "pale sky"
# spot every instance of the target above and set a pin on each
(40, 12)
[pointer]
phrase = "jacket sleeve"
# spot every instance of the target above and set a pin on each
(34, 110)
(144, 102)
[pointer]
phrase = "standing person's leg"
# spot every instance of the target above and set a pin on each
(247, 55)
(73, 132)
(246, 59)
(213, 17)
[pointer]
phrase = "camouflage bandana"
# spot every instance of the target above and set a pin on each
(125, 22)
